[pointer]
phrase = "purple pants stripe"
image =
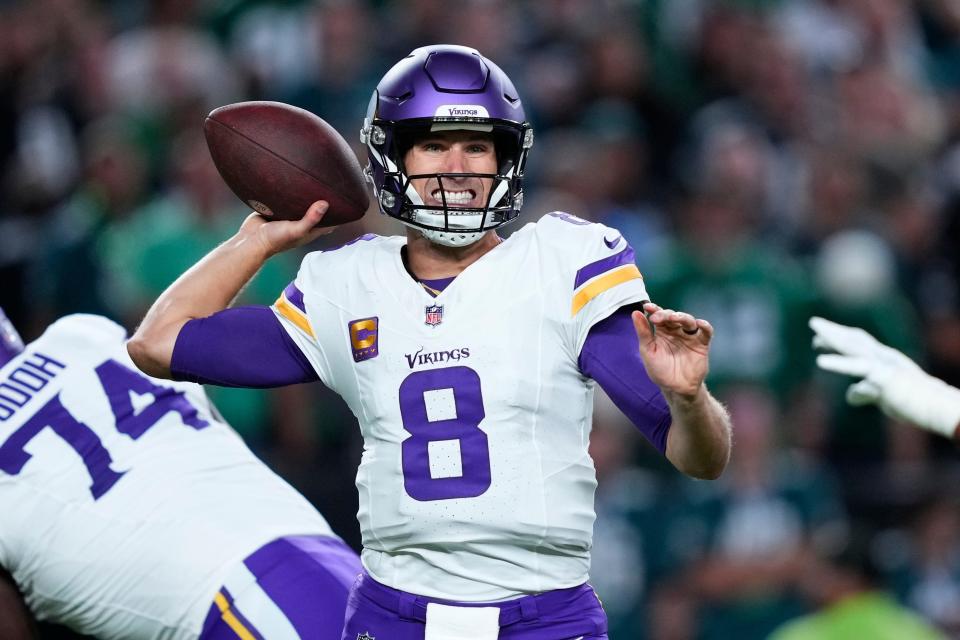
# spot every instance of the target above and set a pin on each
(307, 577)
(382, 612)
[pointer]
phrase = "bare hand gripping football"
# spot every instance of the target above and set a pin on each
(279, 159)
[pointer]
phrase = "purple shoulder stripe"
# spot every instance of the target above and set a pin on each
(295, 297)
(603, 265)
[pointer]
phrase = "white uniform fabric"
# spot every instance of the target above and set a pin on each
(475, 483)
(145, 558)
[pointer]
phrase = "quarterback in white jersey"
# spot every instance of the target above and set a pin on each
(130, 509)
(469, 361)
(474, 412)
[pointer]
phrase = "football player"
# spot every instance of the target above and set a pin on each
(131, 510)
(469, 360)
(888, 378)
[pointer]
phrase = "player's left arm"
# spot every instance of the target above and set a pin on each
(675, 349)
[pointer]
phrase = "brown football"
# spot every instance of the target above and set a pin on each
(279, 159)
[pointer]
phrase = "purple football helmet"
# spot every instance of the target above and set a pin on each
(436, 88)
(10, 343)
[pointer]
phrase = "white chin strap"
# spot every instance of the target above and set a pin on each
(437, 219)
(446, 238)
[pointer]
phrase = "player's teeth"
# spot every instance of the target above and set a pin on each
(454, 197)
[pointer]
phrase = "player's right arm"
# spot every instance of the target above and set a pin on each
(213, 283)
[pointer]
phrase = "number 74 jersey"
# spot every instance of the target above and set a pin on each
(475, 482)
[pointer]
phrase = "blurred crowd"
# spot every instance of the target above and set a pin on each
(767, 159)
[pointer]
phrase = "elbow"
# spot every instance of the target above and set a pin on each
(151, 356)
(709, 469)
(706, 462)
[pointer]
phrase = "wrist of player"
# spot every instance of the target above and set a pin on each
(686, 395)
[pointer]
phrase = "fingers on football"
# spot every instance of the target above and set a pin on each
(847, 365)
(313, 216)
(315, 213)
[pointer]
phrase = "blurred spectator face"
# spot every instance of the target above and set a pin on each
(734, 161)
(569, 165)
(489, 26)
(836, 192)
(562, 18)
(345, 32)
(726, 44)
(883, 117)
(194, 172)
(619, 149)
(882, 20)
(553, 85)
(912, 224)
(778, 85)
(873, 106)
(115, 168)
(618, 63)
(713, 224)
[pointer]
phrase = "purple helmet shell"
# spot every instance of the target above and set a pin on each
(10, 343)
(445, 87)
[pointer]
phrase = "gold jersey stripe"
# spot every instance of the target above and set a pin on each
(595, 287)
(232, 621)
(294, 315)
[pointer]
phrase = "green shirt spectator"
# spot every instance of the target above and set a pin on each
(871, 614)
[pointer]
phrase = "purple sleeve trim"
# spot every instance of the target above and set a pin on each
(241, 347)
(611, 356)
(603, 265)
(294, 296)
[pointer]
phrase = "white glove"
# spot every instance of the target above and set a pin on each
(891, 380)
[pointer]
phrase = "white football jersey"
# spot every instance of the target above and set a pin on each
(125, 500)
(475, 481)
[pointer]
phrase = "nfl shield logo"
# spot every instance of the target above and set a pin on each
(434, 315)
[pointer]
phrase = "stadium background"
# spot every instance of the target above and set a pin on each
(767, 160)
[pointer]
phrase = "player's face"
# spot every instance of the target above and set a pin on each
(453, 152)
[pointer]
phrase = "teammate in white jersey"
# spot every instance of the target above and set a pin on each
(469, 361)
(131, 510)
